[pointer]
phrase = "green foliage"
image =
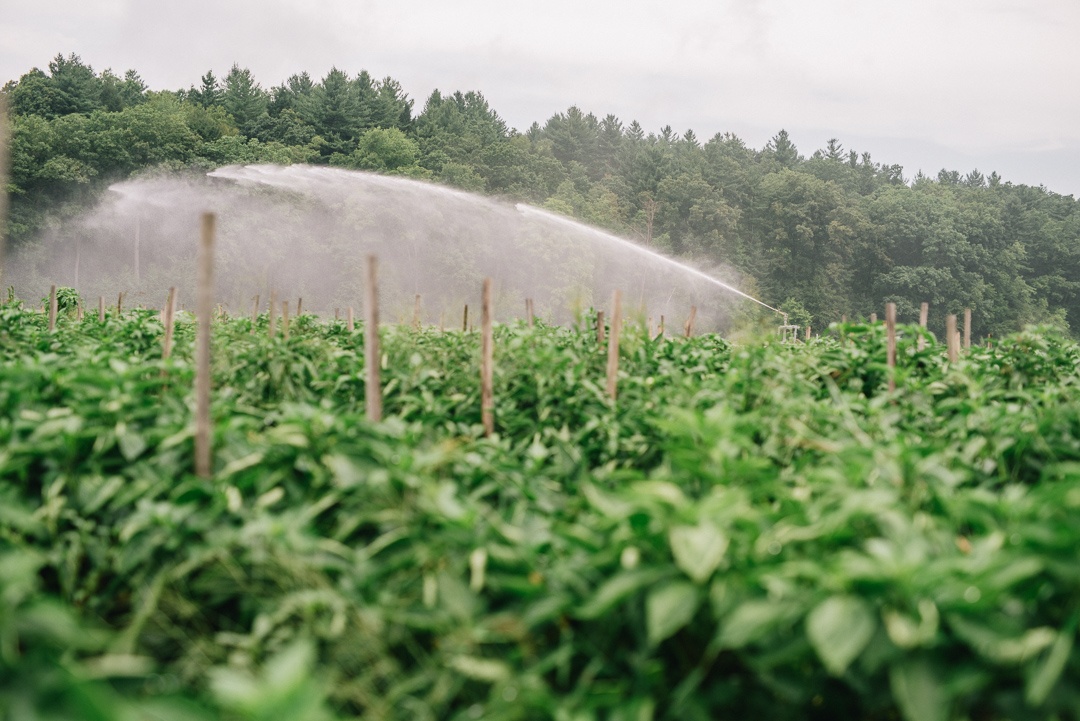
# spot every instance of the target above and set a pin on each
(749, 532)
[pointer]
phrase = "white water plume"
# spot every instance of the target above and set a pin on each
(304, 231)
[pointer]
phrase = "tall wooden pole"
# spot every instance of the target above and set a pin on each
(890, 340)
(349, 324)
(205, 310)
(487, 396)
(924, 316)
(967, 329)
(52, 308)
(372, 357)
(101, 309)
(170, 315)
(689, 327)
(952, 339)
(613, 345)
(599, 327)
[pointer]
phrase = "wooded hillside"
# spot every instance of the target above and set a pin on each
(833, 231)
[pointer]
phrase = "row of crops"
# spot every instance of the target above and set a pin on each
(751, 531)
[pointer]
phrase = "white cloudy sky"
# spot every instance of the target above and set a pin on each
(993, 84)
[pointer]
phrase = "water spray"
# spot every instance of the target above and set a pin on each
(528, 209)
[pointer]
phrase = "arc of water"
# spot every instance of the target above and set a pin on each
(528, 209)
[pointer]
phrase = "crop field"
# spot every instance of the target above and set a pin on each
(750, 531)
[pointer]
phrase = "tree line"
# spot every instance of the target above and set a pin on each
(829, 233)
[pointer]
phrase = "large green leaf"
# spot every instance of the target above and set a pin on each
(839, 629)
(698, 550)
(668, 608)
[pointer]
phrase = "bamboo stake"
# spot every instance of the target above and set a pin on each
(285, 319)
(487, 396)
(967, 329)
(924, 316)
(349, 324)
(952, 338)
(689, 327)
(416, 312)
(52, 308)
(373, 387)
(169, 313)
(271, 318)
(613, 344)
(202, 348)
(465, 319)
(599, 327)
(890, 339)
(101, 309)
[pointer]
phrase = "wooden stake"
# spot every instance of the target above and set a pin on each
(465, 319)
(79, 311)
(924, 316)
(285, 319)
(442, 321)
(661, 333)
(843, 319)
(529, 311)
(169, 315)
(873, 318)
(599, 327)
(119, 303)
(349, 325)
(689, 327)
(202, 348)
(254, 312)
(101, 309)
(372, 358)
(416, 312)
(967, 329)
(952, 338)
(487, 396)
(52, 308)
(613, 344)
(806, 338)
(890, 343)
(337, 314)
(299, 307)
(271, 318)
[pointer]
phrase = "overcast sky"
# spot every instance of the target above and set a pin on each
(992, 84)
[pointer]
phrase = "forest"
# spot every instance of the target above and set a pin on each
(829, 233)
